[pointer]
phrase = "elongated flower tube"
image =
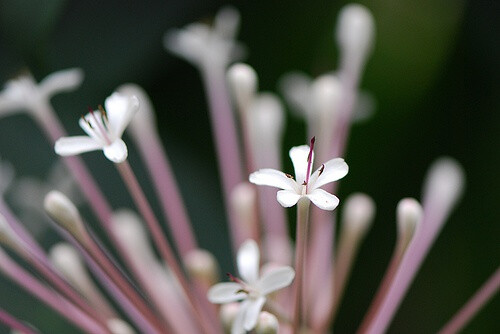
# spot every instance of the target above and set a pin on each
(252, 289)
(104, 129)
(306, 184)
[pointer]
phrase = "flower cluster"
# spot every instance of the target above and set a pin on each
(284, 284)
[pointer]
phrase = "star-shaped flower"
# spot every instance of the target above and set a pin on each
(305, 184)
(251, 289)
(104, 128)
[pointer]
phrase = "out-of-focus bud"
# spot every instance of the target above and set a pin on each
(355, 34)
(228, 314)
(358, 214)
(202, 265)
(267, 324)
(443, 187)
(118, 326)
(64, 213)
(409, 215)
(242, 81)
(144, 120)
(244, 203)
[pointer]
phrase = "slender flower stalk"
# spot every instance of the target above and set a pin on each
(145, 135)
(467, 312)
(442, 189)
(14, 323)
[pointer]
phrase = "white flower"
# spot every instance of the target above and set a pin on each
(24, 93)
(305, 185)
(104, 128)
(205, 45)
(251, 289)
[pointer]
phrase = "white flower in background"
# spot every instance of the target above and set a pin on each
(104, 128)
(24, 93)
(251, 289)
(205, 45)
(305, 184)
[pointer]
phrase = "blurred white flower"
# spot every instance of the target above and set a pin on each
(251, 289)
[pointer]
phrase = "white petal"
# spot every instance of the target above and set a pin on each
(275, 279)
(76, 145)
(333, 170)
(239, 321)
(299, 155)
(272, 178)
(225, 293)
(252, 312)
(287, 198)
(116, 152)
(61, 81)
(323, 199)
(120, 109)
(248, 261)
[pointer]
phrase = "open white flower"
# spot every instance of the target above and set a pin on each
(305, 184)
(251, 289)
(104, 128)
(24, 92)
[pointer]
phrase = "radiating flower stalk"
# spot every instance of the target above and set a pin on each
(179, 290)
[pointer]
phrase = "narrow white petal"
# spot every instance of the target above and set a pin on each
(59, 81)
(272, 178)
(120, 109)
(276, 279)
(252, 312)
(299, 155)
(323, 199)
(287, 198)
(238, 324)
(225, 293)
(332, 170)
(116, 152)
(248, 261)
(75, 145)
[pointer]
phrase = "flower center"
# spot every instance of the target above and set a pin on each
(309, 163)
(102, 124)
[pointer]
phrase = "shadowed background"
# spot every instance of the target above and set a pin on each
(434, 74)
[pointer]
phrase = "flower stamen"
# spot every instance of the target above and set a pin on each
(309, 162)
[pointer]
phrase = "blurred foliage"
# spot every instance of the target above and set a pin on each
(434, 73)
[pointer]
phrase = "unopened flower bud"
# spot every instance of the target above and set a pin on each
(355, 34)
(409, 215)
(242, 81)
(118, 326)
(64, 212)
(202, 265)
(244, 202)
(267, 324)
(144, 120)
(443, 187)
(7, 236)
(228, 313)
(358, 214)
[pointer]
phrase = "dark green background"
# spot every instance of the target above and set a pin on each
(434, 73)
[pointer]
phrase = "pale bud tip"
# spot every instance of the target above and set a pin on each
(228, 313)
(7, 235)
(118, 326)
(326, 94)
(202, 265)
(267, 324)
(358, 214)
(242, 80)
(355, 33)
(64, 257)
(408, 216)
(444, 183)
(63, 212)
